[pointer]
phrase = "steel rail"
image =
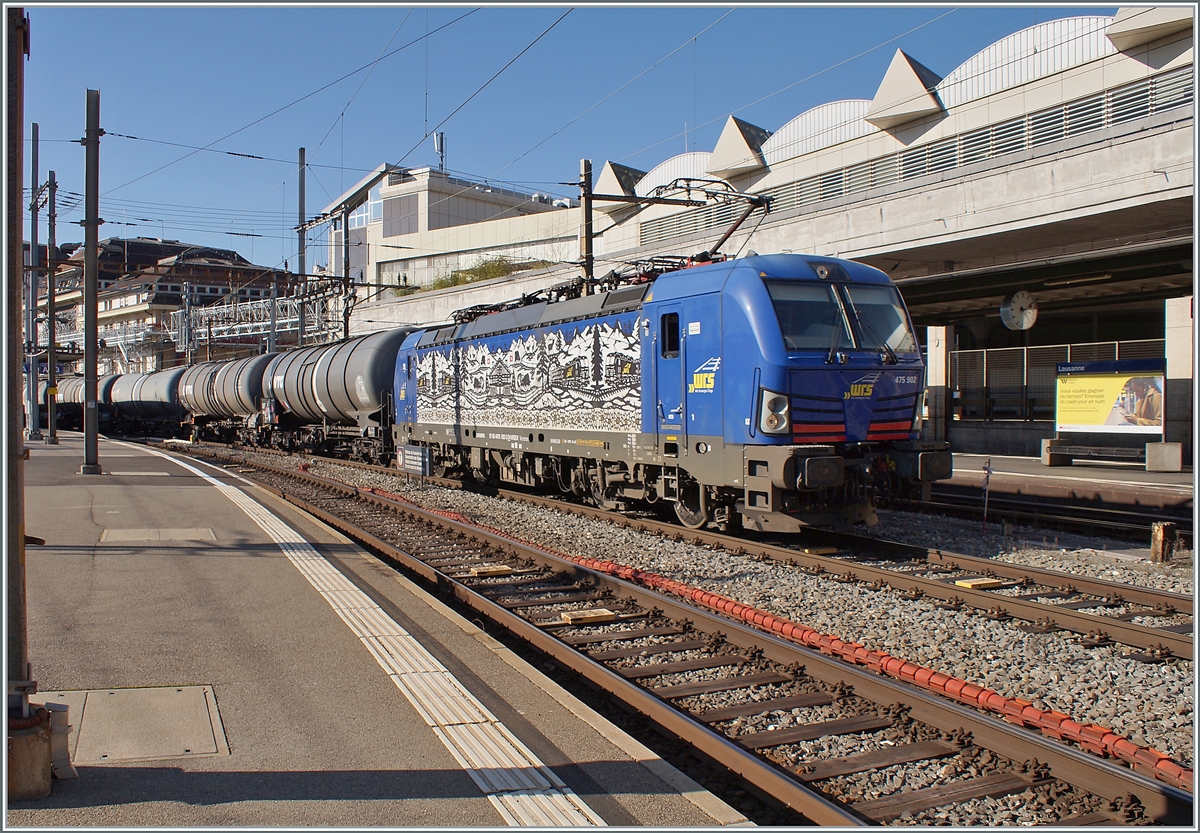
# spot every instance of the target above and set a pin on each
(945, 591)
(1067, 516)
(1163, 803)
(1138, 636)
(754, 769)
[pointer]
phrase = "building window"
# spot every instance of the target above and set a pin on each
(669, 328)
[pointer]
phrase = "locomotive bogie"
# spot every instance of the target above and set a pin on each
(776, 392)
(785, 390)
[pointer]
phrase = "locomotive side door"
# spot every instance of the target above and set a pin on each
(406, 392)
(702, 358)
(669, 424)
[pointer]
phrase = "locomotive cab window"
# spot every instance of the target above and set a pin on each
(810, 315)
(882, 321)
(670, 335)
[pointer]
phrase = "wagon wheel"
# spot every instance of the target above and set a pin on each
(692, 508)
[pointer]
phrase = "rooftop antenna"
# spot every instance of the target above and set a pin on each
(439, 145)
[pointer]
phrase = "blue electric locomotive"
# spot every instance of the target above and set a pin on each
(773, 391)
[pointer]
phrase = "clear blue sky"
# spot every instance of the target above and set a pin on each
(194, 75)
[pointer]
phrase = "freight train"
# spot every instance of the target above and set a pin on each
(772, 392)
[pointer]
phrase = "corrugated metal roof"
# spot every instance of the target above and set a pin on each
(1026, 56)
(822, 126)
(684, 165)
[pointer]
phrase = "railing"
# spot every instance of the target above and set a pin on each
(1104, 109)
(323, 318)
(1018, 383)
(121, 335)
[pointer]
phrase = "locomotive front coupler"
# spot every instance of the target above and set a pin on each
(922, 461)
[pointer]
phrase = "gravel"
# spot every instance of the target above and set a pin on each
(1152, 704)
(1108, 559)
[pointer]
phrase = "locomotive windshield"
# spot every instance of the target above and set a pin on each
(882, 323)
(810, 315)
(816, 316)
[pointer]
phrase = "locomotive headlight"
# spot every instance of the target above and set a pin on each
(775, 415)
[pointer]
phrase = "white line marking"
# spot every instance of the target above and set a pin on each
(522, 789)
(1097, 482)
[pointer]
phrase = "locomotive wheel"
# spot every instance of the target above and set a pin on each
(597, 491)
(691, 508)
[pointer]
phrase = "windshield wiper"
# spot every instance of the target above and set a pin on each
(866, 325)
(833, 336)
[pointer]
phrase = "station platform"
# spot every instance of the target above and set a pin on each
(230, 661)
(1121, 484)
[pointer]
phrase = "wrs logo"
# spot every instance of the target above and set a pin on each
(704, 377)
(862, 388)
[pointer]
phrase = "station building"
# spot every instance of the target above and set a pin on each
(142, 285)
(1055, 166)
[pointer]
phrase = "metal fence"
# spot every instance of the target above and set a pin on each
(1018, 383)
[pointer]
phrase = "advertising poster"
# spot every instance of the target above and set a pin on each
(1110, 397)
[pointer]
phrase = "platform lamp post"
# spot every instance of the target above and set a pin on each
(91, 227)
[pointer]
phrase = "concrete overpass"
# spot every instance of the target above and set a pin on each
(1059, 161)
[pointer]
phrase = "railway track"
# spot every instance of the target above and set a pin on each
(839, 744)
(1159, 624)
(1036, 511)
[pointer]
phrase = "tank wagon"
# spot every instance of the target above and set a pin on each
(334, 398)
(223, 399)
(775, 391)
(147, 402)
(68, 404)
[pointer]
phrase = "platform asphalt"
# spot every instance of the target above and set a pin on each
(1113, 483)
(213, 684)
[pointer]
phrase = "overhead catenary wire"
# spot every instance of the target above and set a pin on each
(358, 89)
(252, 156)
(619, 89)
(481, 88)
(673, 52)
(807, 78)
(294, 103)
(484, 86)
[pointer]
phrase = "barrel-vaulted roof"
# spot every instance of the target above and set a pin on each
(693, 165)
(1025, 56)
(1039, 51)
(822, 126)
